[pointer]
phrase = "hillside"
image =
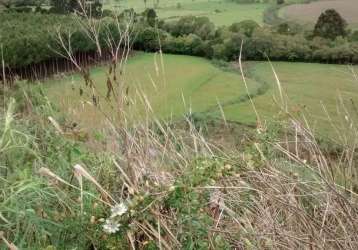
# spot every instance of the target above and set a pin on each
(189, 84)
(194, 125)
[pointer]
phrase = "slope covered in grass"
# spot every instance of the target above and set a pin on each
(190, 84)
(168, 188)
(310, 89)
(185, 84)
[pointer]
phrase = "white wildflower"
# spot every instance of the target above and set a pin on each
(111, 226)
(119, 210)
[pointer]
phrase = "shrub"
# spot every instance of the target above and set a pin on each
(246, 27)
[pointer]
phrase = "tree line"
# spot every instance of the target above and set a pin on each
(93, 7)
(31, 38)
(329, 42)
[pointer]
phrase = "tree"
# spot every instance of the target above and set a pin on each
(20, 3)
(246, 27)
(330, 25)
(186, 25)
(74, 5)
(59, 6)
(148, 39)
(354, 36)
(92, 8)
(279, 2)
(95, 9)
(151, 17)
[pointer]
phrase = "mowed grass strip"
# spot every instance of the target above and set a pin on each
(186, 84)
(219, 12)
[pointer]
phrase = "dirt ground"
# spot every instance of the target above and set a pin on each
(309, 13)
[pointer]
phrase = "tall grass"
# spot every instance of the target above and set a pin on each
(162, 186)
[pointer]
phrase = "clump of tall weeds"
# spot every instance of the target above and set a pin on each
(34, 214)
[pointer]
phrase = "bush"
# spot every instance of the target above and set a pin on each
(200, 26)
(36, 212)
(354, 36)
(148, 38)
(246, 27)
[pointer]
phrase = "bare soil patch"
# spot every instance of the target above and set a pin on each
(310, 12)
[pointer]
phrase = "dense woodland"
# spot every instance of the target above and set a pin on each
(30, 41)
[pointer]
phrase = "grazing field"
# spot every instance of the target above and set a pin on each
(310, 90)
(188, 84)
(219, 12)
(193, 84)
(309, 13)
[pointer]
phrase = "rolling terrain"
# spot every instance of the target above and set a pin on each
(186, 84)
(190, 84)
(181, 146)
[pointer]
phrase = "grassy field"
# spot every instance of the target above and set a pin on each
(310, 90)
(220, 12)
(309, 13)
(188, 84)
(195, 84)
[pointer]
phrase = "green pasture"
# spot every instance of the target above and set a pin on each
(190, 84)
(186, 84)
(325, 94)
(220, 12)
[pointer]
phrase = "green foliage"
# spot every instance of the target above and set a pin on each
(354, 36)
(246, 27)
(92, 8)
(95, 9)
(151, 17)
(289, 28)
(187, 45)
(34, 214)
(200, 26)
(15, 4)
(330, 25)
(192, 205)
(60, 6)
(26, 39)
(31, 38)
(148, 39)
(284, 42)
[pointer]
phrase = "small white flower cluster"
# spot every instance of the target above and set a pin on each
(112, 225)
(118, 210)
